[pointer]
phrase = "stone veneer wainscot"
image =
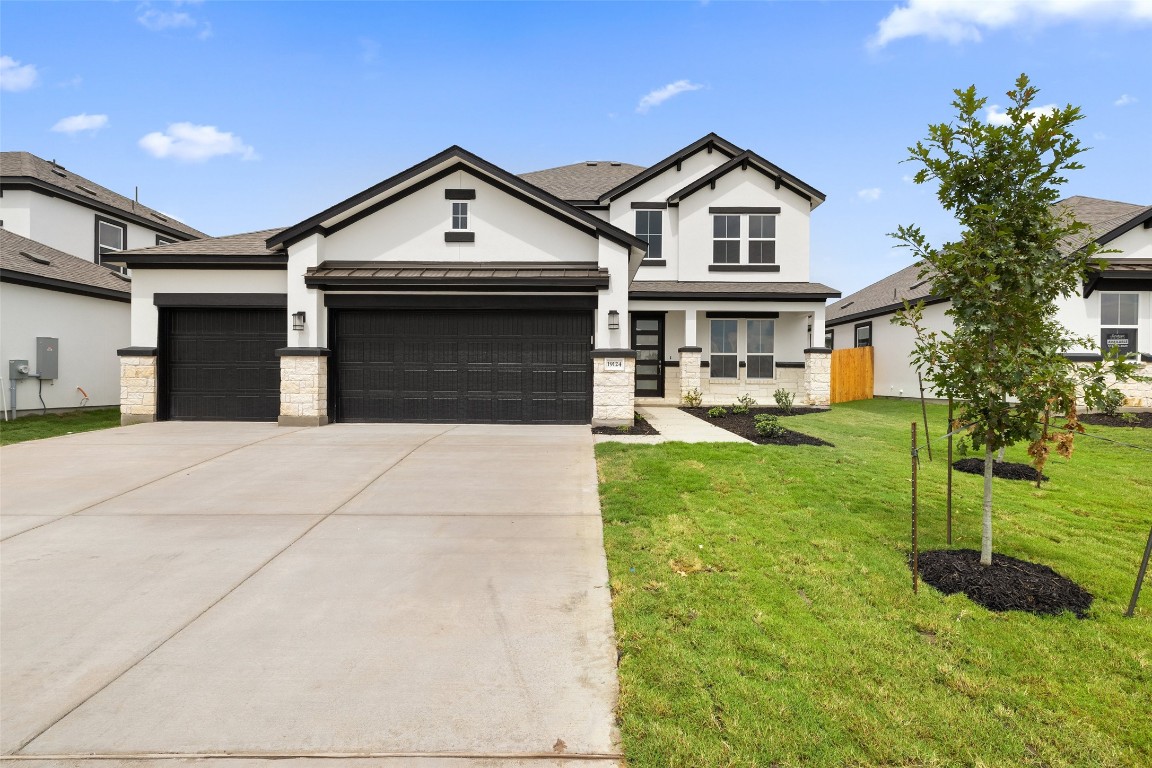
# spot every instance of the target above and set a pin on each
(137, 385)
(303, 387)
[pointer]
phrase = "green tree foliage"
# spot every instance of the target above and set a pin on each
(1003, 363)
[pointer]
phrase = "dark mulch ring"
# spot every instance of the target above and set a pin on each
(1005, 470)
(799, 410)
(744, 424)
(1006, 585)
(1129, 419)
(639, 427)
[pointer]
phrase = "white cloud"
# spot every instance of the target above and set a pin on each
(962, 21)
(15, 76)
(162, 20)
(1125, 100)
(870, 195)
(195, 143)
(996, 116)
(908, 178)
(81, 122)
(661, 95)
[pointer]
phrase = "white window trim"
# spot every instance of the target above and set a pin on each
(1136, 326)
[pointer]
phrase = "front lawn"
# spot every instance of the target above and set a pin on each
(765, 616)
(39, 426)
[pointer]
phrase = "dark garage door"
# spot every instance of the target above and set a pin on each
(482, 366)
(221, 364)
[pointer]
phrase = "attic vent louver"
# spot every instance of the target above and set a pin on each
(845, 306)
(617, 164)
(158, 216)
(83, 188)
(36, 259)
(59, 172)
(917, 285)
(589, 163)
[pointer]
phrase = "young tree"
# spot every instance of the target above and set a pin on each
(1003, 362)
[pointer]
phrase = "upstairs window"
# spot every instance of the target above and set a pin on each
(650, 229)
(459, 215)
(1119, 318)
(725, 239)
(111, 237)
(761, 239)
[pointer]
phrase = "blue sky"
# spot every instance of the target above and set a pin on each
(236, 116)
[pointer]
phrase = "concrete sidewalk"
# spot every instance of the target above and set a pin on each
(384, 595)
(674, 425)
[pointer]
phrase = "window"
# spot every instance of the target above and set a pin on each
(111, 237)
(760, 348)
(649, 228)
(459, 215)
(761, 239)
(1119, 317)
(863, 334)
(829, 338)
(161, 240)
(723, 349)
(725, 239)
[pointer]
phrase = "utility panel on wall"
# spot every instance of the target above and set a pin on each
(48, 357)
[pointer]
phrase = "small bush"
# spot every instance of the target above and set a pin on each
(1112, 402)
(717, 413)
(693, 398)
(743, 403)
(768, 425)
(783, 399)
(1128, 417)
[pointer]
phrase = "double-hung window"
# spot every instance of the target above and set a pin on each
(725, 239)
(761, 239)
(459, 215)
(1119, 320)
(111, 237)
(650, 229)
(761, 348)
(722, 364)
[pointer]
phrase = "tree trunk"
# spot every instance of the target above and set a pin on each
(1000, 454)
(986, 538)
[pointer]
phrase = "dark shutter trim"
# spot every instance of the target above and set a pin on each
(745, 209)
(742, 315)
(222, 300)
(743, 267)
(459, 194)
(459, 237)
(654, 263)
(649, 206)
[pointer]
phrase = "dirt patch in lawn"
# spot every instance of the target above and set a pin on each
(639, 427)
(1142, 419)
(1006, 585)
(744, 424)
(1005, 470)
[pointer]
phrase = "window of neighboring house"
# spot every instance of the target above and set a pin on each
(649, 228)
(761, 239)
(111, 237)
(725, 239)
(161, 240)
(863, 334)
(722, 364)
(459, 215)
(1119, 317)
(760, 349)
(829, 338)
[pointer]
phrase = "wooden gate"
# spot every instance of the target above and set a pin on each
(852, 374)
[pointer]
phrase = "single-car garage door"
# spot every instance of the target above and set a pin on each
(221, 364)
(479, 366)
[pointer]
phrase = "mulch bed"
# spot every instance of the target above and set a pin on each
(1006, 585)
(744, 424)
(1143, 419)
(639, 427)
(1005, 470)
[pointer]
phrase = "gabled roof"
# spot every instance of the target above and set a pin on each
(26, 170)
(1106, 219)
(880, 298)
(28, 262)
(438, 166)
(749, 159)
(582, 182)
(707, 143)
(248, 248)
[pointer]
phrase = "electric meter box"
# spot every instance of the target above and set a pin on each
(48, 357)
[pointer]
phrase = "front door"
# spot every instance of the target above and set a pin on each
(648, 342)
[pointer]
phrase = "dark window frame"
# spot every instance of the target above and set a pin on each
(733, 357)
(99, 251)
(756, 255)
(830, 338)
(163, 240)
(722, 243)
(655, 239)
(749, 354)
(856, 334)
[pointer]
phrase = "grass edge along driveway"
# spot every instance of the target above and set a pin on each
(765, 617)
(40, 426)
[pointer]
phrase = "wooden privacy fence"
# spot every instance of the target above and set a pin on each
(852, 374)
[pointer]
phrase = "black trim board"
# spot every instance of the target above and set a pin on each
(137, 352)
(818, 350)
(222, 300)
(459, 194)
(654, 263)
(745, 209)
(742, 315)
(607, 352)
(743, 267)
(303, 352)
(1118, 281)
(440, 301)
(459, 237)
(690, 349)
(649, 206)
(201, 261)
(789, 365)
(709, 142)
(63, 286)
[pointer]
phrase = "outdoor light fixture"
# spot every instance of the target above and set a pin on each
(297, 321)
(613, 320)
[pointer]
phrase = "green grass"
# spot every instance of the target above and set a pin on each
(54, 424)
(765, 615)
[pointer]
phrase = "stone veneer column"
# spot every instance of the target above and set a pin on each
(613, 392)
(689, 370)
(817, 376)
(137, 385)
(303, 386)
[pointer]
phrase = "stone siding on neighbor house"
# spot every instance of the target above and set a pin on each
(137, 389)
(1138, 393)
(613, 392)
(303, 391)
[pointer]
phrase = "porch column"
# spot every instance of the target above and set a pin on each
(817, 376)
(818, 329)
(689, 369)
(137, 385)
(689, 328)
(303, 386)
(613, 387)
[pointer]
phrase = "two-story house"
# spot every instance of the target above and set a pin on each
(456, 291)
(56, 228)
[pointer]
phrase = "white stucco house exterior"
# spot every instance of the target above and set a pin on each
(456, 291)
(56, 228)
(1114, 306)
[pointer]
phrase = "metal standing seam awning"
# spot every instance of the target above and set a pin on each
(467, 276)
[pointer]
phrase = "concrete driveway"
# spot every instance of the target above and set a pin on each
(392, 595)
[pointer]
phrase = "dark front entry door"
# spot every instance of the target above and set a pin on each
(648, 341)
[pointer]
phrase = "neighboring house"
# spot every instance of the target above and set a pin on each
(456, 291)
(57, 229)
(1114, 308)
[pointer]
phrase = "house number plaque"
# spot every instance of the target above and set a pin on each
(614, 364)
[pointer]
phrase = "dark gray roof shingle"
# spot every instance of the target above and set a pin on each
(660, 288)
(582, 181)
(15, 251)
(243, 244)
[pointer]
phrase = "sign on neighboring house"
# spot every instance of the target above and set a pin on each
(1123, 339)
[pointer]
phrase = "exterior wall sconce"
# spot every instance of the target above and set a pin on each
(297, 321)
(613, 320)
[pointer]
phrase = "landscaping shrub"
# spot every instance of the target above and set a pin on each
(768, 425)
(783, 399)
(717, 413)
(693, 398)
(743, 403)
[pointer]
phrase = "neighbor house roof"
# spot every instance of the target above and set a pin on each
(582, 182)
(21, 170)
(676, 289)
(28, 262)
(248, 248)
(887, 295)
